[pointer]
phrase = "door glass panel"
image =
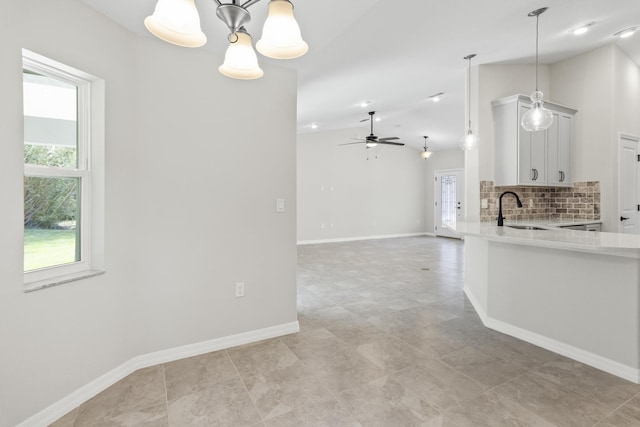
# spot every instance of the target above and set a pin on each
(448, 214)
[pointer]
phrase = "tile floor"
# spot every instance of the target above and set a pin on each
(387, 339)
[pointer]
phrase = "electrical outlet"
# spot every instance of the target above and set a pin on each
(279, 205)
(239, 289)
(484, 203)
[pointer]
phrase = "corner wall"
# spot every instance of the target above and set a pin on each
(354, 192)
(190, 207)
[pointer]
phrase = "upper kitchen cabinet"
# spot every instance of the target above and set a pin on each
(531, 158)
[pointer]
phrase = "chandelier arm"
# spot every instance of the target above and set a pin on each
(249, 3)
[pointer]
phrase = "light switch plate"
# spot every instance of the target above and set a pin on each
(279, 205)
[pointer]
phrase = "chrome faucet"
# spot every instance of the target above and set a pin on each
(500, 218)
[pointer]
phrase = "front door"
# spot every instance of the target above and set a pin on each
(449, 201)
(628, 201)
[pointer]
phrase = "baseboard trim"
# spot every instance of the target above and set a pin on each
(75, 399)
(604, 364)
(357, 238)
(583, 356)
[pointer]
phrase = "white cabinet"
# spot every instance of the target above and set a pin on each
(531, 158)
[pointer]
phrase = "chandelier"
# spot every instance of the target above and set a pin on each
(178, 22)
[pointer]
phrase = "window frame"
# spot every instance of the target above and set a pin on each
(84, 170)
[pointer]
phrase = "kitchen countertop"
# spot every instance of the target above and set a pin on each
(616, 244)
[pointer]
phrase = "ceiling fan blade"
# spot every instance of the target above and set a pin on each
(351, 143)
(391, 138)
(390, 143)
(357, 139)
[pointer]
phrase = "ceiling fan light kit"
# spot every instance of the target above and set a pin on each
(178, 22)
(469, 141)
(538, 117)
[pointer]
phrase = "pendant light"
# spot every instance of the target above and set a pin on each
(470, 140)
(538, 117)
(281, 37)
(426, 153)
(240, 61)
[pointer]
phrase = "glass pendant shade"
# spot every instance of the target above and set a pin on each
(371, 144)
(469, 141)
(425, 154)
(177, 22)
(538, 117)
(281, 37)
(240, 61)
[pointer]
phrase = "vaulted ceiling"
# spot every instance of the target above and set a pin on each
(395, 54)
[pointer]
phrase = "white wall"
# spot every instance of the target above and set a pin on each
(439, 160)
(356, 197)
(604, 86)
(194, 161)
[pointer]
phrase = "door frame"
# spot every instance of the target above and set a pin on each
(437, 197)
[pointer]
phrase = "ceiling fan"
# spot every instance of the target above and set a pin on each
(372, 140)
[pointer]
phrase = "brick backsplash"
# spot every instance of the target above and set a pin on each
(579, 202)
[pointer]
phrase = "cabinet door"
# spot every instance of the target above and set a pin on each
(559, 146)
(565, 128)
(532, 153)
(554, 177)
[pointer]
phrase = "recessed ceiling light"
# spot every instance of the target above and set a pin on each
(378, 119)
(364, 103)
(314, 126)
(626, 32)
(436, 97)
(581, 29)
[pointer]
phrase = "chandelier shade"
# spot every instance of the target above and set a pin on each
(240, 60)
(176, 22)
(281, 36)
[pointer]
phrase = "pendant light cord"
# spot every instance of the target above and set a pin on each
(537, 22)
(469, 92)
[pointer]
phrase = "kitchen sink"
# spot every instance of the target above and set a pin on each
(526, 227)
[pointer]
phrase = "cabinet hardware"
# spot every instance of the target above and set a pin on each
(624, 218)
(562, 176)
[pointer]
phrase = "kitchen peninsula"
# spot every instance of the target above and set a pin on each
(576, 293)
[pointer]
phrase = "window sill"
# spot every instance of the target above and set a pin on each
(59, 280)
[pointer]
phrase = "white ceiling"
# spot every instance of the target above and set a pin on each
(395, 54)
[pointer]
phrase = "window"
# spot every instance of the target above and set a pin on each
(60, 227)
